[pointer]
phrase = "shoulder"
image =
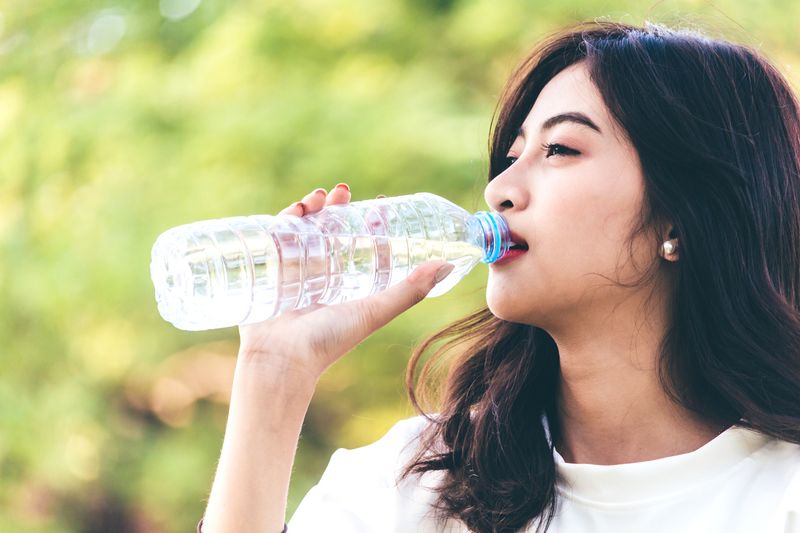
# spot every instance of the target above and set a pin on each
(359, 490)
(780, 459)
(777, 467)
(785, 457)
(402, 433)
(379, 462)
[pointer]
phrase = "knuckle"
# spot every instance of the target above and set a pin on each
(418, 294)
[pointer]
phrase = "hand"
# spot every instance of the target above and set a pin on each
(302, 344)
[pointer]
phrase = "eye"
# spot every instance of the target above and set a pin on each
(558, 149)
(510, 161)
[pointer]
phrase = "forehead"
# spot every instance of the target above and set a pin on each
(571, 90)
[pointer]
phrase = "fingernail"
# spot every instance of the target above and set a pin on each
(381, 196)
(301, 205)
(342, 186)
(318, 191)
(443, 272)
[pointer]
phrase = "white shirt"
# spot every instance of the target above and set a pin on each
(740, 482)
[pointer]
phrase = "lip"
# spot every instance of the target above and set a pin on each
(509, 256)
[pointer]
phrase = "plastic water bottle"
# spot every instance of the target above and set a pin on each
(240, 270)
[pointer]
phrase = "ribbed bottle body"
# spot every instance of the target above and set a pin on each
(241, 270)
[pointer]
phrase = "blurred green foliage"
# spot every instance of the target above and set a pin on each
(120, 119)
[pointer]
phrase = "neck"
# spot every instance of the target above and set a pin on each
(611, 404)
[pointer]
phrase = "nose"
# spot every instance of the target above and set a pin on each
(506, 191)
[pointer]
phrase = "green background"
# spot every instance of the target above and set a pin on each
(121, 119)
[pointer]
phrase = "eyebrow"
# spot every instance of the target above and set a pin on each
(575, 117)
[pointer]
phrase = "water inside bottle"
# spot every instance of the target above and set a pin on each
(212, 281)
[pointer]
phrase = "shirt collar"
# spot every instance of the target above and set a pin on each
(659, 478)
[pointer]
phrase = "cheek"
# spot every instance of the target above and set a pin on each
(568, 221)
(586, 231)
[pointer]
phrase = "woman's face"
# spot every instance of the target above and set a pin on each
(574, 203)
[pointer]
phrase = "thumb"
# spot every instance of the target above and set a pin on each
(358, 319)
(381, 308)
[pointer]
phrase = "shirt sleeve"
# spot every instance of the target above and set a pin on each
(357, 492)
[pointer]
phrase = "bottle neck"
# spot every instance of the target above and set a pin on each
(489, 230)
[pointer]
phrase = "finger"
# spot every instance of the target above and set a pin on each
(338, 195)
(297, 209)
(314, 201)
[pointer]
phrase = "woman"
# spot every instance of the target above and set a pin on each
(637, 368)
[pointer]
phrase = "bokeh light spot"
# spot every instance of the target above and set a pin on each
(104, 32)
(178, 9)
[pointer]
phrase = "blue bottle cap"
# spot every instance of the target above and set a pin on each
(496, 235)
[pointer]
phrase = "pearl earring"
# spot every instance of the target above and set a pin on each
(668, 247)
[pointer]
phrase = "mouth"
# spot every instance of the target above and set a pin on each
(517, 247)
(517, 242)
(509, 256)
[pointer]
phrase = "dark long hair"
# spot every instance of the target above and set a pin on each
(717, 131)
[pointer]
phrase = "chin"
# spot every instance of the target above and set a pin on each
(515, 308)
(505, 309)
